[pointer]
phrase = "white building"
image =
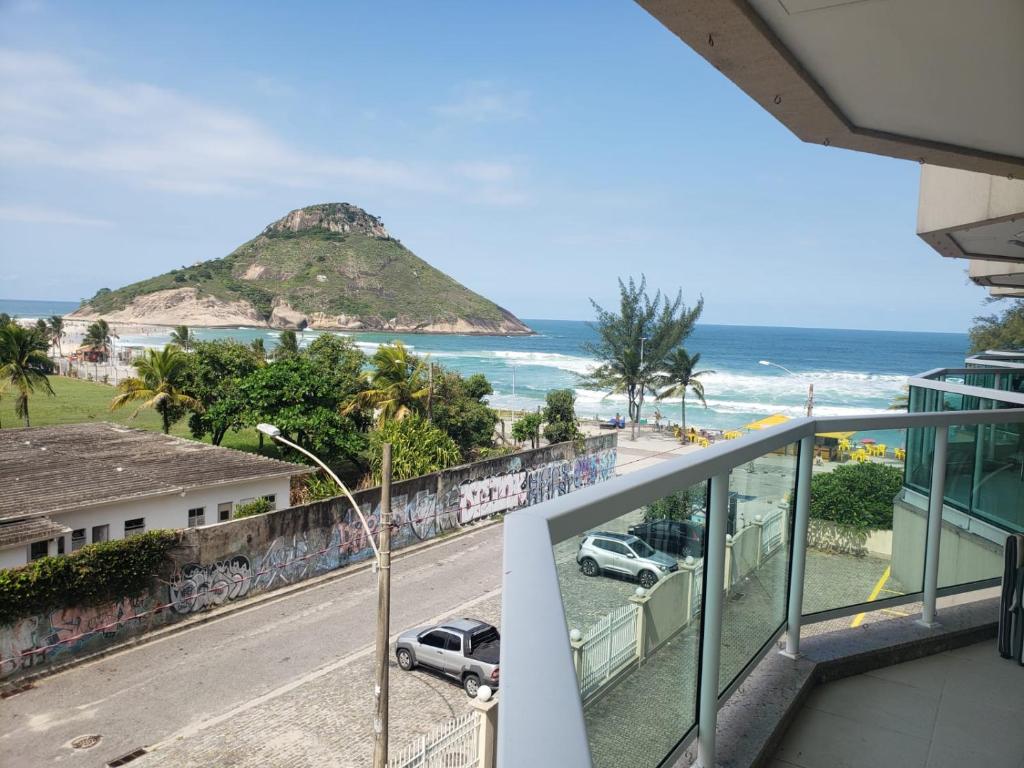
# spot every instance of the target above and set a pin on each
(66, 486)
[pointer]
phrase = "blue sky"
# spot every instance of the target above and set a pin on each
(535, 151)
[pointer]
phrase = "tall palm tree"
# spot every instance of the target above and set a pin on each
(158, 385)
(23, 365)
(97, 337)
(396, 384)
(678, 377)
(56, 324)
(183, 337)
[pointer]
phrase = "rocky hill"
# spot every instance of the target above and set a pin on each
(331, 266)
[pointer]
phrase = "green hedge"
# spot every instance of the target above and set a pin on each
(96, 574)
(856, 495)
(258, 506)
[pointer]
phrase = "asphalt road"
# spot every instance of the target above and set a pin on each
(180, 684)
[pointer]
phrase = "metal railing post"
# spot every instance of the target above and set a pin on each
(931, 551)
(800, 524)
(711, 645)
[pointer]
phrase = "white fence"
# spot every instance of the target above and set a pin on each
(607, 646)
(696, 588)
(771, 533)
(452, 745)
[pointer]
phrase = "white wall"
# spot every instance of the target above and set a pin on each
(169, 511)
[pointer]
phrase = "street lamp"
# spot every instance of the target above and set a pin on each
(383, 562)
(514, 392)
(810, 384)
(639, 371)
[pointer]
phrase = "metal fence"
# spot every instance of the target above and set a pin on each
(607, 647)
(452, 745)
(771, 533)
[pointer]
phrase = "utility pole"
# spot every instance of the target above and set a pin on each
(810, 399)
(636, 418)
(380, 692)
(430, 394)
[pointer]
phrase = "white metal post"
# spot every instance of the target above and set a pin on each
(931, 552)
(980, 433)
(796, 577)
(710, 652)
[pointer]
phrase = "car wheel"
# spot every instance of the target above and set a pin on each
(590, 567)
(648, 579)
(405, 660)
(471, 684)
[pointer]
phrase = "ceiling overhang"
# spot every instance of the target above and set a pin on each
(934, 81)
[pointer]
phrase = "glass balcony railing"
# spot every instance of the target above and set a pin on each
(632, 610)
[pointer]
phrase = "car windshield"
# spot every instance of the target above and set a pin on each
(484, 636)
(641, 548)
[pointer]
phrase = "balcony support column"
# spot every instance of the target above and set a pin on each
(981, 435)
(711, 637)
(931, 552)
(800, 523)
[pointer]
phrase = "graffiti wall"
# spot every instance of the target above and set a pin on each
(217, 564)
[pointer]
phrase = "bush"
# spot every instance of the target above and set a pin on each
(258, 506)
(859, 496)
(560, 415)
(679, 505)
(528, 428)
(94, 575)
(417, 448)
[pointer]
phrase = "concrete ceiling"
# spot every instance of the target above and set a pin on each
(937, 81)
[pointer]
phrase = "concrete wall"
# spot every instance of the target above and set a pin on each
(833, 537)
(229, 561)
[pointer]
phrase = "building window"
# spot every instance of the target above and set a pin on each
(196, 517)
(38, 549)
(134, 527)
(272, 498)
(100, 533)
(224, 511)
(77, 539)
(60, 545)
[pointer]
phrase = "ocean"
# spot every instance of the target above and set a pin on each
(853, 372)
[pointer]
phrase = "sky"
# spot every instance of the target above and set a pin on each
(534, 151)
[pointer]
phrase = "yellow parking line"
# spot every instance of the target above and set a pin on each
(872, 597)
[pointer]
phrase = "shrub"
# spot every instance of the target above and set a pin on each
(258, 506)
(856, 495)
(560, 415)
(528, 428)
(679, 505)
(417, 448)
(96, 574)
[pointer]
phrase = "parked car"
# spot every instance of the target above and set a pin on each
(464, 649)
(624, 554)
(676, 537)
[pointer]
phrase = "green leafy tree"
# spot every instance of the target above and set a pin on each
(1004, 330)
(159, 386)
(634, 342)
(97, 338)
(678, 377)
(259, 348)
(287, 345)
(57, 333)
(857, 495)
(258, 506)
(396, 384)
(528, 428)
(24, 366)
(417, 448)
(458, 409)
(679, 505)
(213, 375)
(183, 337)
(560, 415)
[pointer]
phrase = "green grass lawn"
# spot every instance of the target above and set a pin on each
(79, 401)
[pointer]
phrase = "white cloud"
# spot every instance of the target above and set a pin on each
(53, 114)
(482, 102)
(26, 214)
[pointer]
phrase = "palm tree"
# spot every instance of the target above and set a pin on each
(902, 401)
(183, 337)
(260, 349)
(678, 377)
(396, 385)
(97, 338)
(56, 325)
(287, 345)
(23, 365)
(158, 385)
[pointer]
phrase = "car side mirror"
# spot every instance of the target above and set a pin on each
(630, 555)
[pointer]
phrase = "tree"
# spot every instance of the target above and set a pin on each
(183, 337)
(213, 375)
(417, 448)
(23, 365)
(634, 343)
(528, 428)
(259, 348)
(679, 376)
(679, 505)
(258, 506)
(459, 410)
(56, 324)
(5, 319)
(901, 402)
(396, 385)
(158, 385)
(97, 338)
(287, 345)
(560, 415)
(856, 495)
(1000, 331)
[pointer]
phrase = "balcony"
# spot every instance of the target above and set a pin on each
(598, 673)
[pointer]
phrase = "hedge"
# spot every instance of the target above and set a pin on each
(856, 495)
(94, 575)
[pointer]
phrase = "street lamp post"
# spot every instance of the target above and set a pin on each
(810, 384)
(639, 371)
(382, 556)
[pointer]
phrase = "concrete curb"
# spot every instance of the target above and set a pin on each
(18, 684)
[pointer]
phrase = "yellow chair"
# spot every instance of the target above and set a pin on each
(703, 442)
(731, 435)
(900, 454)
(879, 450)
(844, 444)
(860, 455)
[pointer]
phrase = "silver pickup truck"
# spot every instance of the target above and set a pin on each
(463, 649)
